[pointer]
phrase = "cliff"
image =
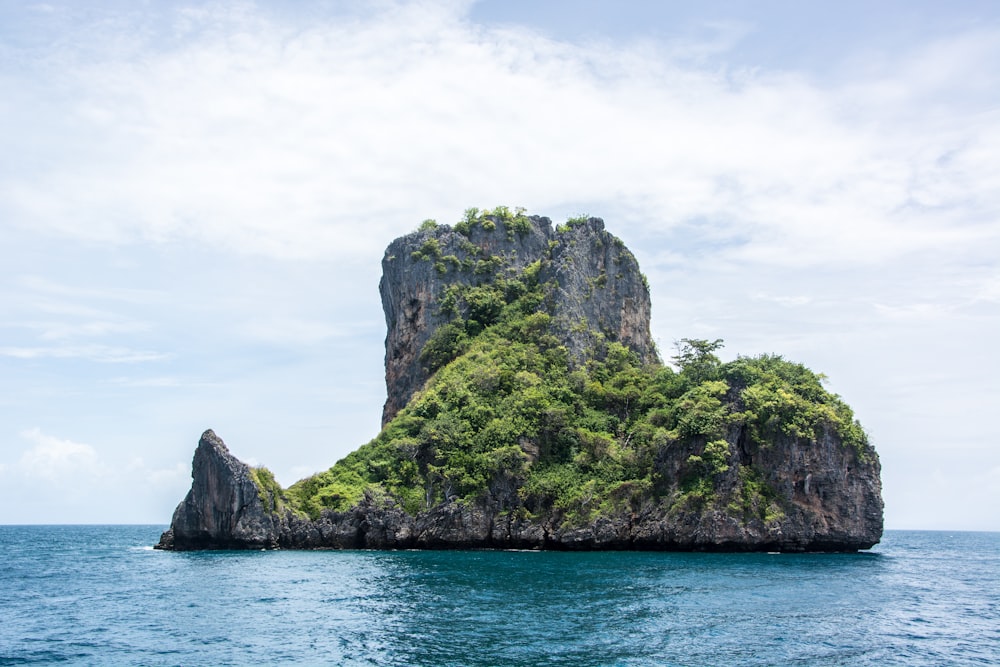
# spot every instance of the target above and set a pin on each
(598, 289)
(527, 408)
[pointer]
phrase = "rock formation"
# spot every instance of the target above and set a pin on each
(750, 455)
(224, 508)
(417, 268)
(832, 508)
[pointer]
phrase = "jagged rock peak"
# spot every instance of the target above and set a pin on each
(224, 507)
(210, 441)
(597, 290)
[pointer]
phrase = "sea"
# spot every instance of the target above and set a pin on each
(100, 595)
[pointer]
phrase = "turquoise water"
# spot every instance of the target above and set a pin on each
(98, 595)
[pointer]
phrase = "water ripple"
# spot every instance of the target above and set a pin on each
(97, 595)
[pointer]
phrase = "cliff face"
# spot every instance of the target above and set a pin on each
(542, 418)
(598, 288)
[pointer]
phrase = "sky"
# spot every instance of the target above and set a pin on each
(195, 199)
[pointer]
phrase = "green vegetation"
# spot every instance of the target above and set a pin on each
(271, 493)
(431, 249)
(510, 419)
(570, 223)
(754, 499)
(515, 222)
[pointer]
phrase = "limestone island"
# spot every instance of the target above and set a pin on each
(528, 408)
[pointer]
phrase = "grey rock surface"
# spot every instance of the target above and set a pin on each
(224, 508)
(598, 289)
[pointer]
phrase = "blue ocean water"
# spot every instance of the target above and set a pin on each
(98, 595)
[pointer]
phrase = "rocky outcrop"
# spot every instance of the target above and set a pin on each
(597, 288)
(782, 491)
(224, 508)
(829, 496)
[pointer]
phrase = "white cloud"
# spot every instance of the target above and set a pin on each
(176, 476)
(98, 353)
(57, 480)
(171, 477)
(52, 458)
(914, 311)
(159, 382)
(65, 321)
(275, 138)
(295, 331)
(68, 295)
(987, 289)
(783, 300)
(62, 330)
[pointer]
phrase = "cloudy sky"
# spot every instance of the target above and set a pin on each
(195, 198)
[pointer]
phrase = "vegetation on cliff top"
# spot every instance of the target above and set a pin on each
(509, 419)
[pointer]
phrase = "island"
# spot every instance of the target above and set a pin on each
(528, 408)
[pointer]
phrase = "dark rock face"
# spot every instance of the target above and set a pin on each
(224, 508)
(599, 288)
(831, 496)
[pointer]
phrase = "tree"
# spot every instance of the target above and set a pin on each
(695, 358)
